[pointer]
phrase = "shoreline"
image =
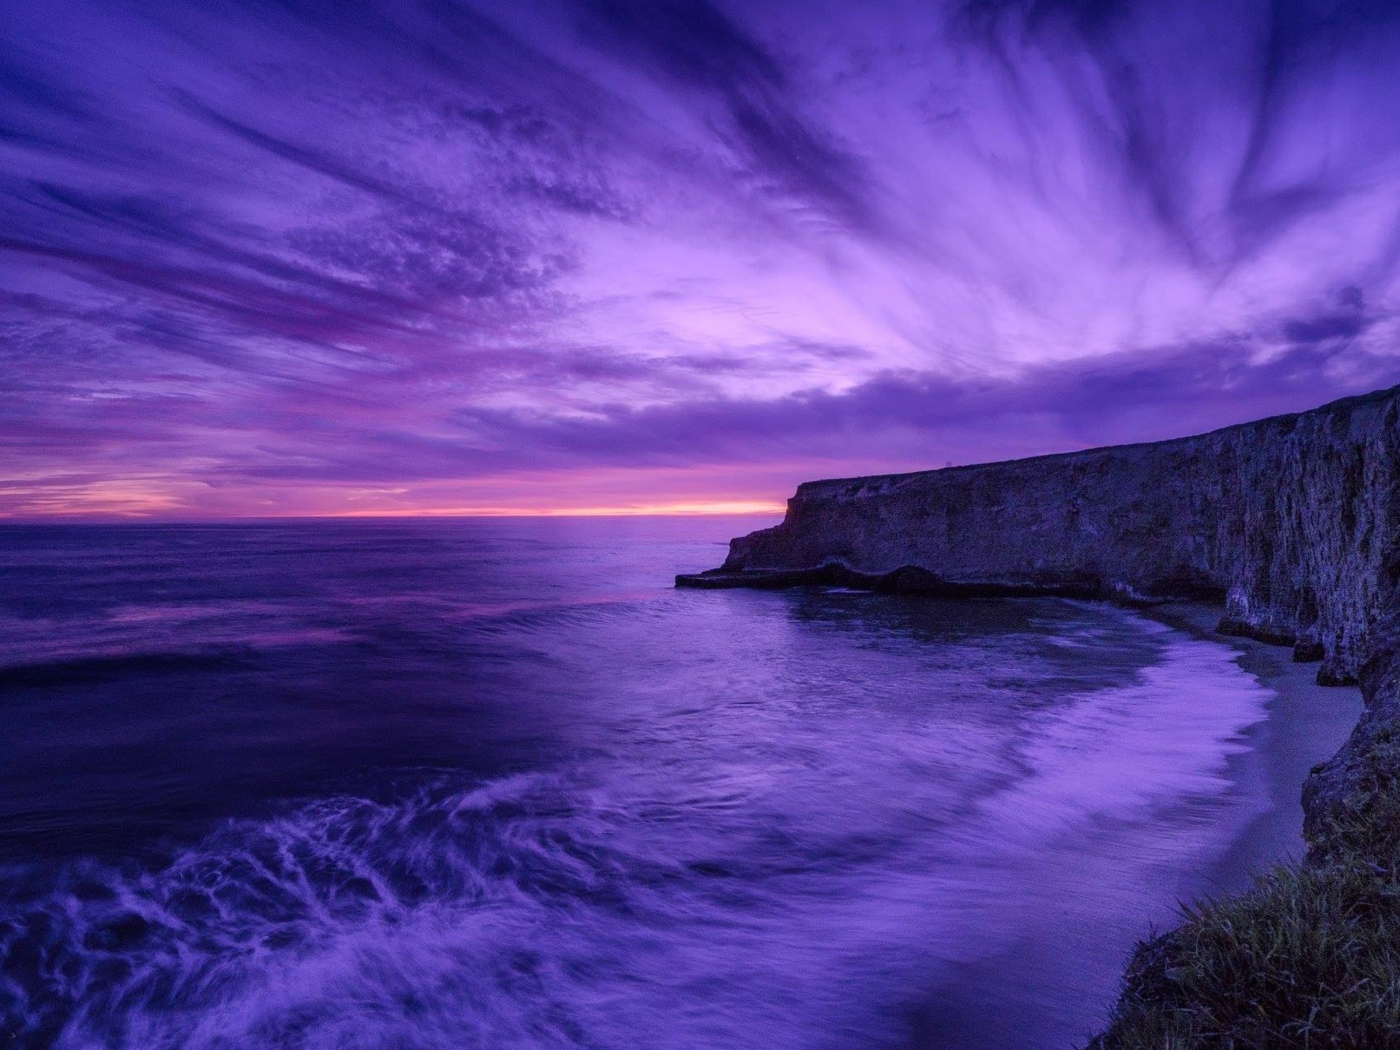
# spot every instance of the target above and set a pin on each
(1206, 845)
(1305, 724)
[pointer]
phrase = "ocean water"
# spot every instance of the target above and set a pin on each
(496, 784)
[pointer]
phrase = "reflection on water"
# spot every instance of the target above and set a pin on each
(496, 784)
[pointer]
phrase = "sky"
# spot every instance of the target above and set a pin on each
(306, 257)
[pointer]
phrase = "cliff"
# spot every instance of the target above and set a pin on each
(1294, 522)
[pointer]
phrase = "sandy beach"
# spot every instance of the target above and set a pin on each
(1306, 723)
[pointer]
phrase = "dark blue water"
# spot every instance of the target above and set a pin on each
(496, 784)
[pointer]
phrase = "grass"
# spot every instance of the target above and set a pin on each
(1309, 958)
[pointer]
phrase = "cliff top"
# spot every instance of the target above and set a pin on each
(884, 482)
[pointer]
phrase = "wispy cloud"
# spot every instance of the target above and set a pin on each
(433, 246)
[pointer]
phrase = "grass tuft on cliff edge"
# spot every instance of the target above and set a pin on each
(1309, 958)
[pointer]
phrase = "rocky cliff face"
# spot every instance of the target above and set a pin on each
(1294, 521)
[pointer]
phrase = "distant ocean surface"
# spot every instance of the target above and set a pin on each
(495, 784)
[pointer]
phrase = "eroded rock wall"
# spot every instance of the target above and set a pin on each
(1294, 521)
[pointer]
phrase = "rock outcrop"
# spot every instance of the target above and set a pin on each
(1294, 522)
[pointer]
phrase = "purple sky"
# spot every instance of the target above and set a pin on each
(319, 256)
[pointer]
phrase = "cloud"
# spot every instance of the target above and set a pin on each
(929, 417)
(276, 244)
(694, 44)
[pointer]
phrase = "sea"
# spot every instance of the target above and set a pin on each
(496, 783)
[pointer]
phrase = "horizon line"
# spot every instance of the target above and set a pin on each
(716, 510)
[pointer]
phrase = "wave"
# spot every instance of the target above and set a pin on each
(525, 912)
(539, 910)
(345, 922)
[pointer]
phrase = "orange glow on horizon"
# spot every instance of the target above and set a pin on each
(162, 510)
(692, 509)
(612, 493)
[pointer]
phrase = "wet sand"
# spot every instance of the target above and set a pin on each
(1306, 724)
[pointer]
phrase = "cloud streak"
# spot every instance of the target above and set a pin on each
(408, 251)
